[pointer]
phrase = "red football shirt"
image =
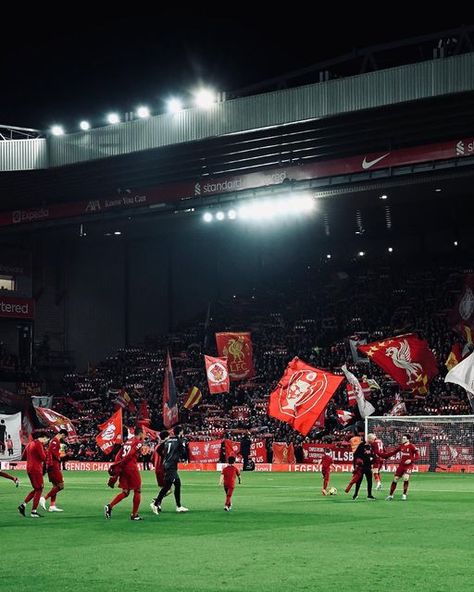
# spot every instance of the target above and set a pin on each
(127, 456)
(326, 462)
(377, 447)
(230, 474)
(35, 456)
(408, 452)
(53, 458)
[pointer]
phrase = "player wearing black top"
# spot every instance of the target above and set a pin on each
(172, 451)
(363, 459)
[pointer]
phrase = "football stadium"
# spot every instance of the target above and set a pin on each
(244, 322)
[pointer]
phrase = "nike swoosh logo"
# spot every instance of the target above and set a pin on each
(366, 164)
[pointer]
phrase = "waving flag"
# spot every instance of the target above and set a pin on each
(344, 417)
(144, 413)
(217, 375)
(407, 359)
(302, 395)
(170, 400)
(194, 398)
(110, 432)
(365, 408)
(57, 422)
(462, 315)
(463, 375)
(237, 348)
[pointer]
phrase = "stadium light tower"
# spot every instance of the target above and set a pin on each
(204, 98)
(113, 118)
(57, 130)
(85, 125)
(174, 105)
(143, 112)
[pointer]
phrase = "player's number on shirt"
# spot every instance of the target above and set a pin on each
(126, 449)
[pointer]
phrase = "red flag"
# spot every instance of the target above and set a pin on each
(144, 413)
(237, 348)
(344, 417)
(170, 400)
(407, 359)
(455, 356)
(462, 314)
(217, 375)
(283, 453)
(110, 432)
(57, 422)
(231, 448)
(302, 395)
(125, 401)
(149, 433)
(351, 395)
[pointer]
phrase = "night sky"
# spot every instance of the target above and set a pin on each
(65, 70)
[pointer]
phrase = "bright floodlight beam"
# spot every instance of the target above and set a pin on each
(174, 105)
(113, 118)
(208, 217)
(204, 98)
(85, 125)
(57, 130)
(143, 112)
(220, 216)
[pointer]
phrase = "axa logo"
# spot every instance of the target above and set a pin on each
(367, 164)
(93, 206)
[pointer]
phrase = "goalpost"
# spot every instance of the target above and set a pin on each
(445, 442)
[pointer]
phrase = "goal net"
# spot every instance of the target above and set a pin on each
(445, 442)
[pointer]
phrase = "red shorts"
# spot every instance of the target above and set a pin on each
(160, 476)
(403, 470)
(55, 476)
(130, 479)
(36, 479)
(378, 464)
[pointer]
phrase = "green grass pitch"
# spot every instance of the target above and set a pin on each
(281, 535)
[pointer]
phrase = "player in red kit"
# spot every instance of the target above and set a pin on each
(228, 476)
(325, 465)
(53, 467)
(409, 454)
(10, 477)
(35, 457)
(126, 467)
(377, 449)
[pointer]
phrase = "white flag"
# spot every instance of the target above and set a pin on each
(463, 374)
(365, 408)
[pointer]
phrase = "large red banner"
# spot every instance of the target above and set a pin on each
(283, 453)
(406, 358)
(110, 432)
(258, 450)
(17, 308)
(217, 375)
(237, 348)
(302, 394)
(455, 455)
(207, 452)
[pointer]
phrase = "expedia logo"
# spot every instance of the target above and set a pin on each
(19, 216)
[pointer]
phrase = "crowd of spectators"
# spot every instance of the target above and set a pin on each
(312, 320)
